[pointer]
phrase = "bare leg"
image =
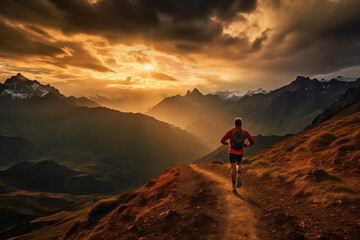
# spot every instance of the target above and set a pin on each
(233, 173)
(238, 168)
(239, 173)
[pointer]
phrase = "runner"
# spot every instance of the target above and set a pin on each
(237, 144)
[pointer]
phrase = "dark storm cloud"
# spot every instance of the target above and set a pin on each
(316, 36)
(38, 31)
(257, 44)
(14, 41)
(323, 22)
(168, 19)
(325, 39)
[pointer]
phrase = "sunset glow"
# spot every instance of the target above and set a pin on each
(147, 67)
(164, 53)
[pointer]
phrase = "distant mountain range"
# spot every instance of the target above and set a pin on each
(125, 149)
(283, 111)
(20, 88)
(237, 94)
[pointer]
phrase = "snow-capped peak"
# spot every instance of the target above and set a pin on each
(237, 94)
(227, 94)
(19, 87)
(258, 91)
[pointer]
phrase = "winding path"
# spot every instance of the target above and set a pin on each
(241, 221)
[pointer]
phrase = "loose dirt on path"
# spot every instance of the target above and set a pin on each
(240, 221)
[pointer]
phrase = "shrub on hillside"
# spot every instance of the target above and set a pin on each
(321, 140)
(216, 161)
(102, 207)
(320, 175)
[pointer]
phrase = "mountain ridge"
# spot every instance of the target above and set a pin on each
(19, 88)
(282, 111)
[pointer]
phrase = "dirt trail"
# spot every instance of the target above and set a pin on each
(241, 221)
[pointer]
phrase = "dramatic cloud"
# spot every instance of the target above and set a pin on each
(168, 46)
(14, 41)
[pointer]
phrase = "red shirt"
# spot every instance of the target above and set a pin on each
(230, 135)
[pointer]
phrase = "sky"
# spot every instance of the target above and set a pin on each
(130, 54)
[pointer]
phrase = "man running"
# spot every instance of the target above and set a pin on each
(236, 149)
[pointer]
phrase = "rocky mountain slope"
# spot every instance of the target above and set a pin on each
(304, 187)
(283, 111)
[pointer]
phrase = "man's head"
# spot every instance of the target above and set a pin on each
(237, 121)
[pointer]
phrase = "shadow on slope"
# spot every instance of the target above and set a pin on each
(50, 176)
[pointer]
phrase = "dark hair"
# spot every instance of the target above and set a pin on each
(238, 122)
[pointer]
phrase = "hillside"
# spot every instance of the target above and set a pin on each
(286, 110)
(99, 142)
(304, 187)
(15, 149)
(50, 176)
(221, 153)
(348, 103)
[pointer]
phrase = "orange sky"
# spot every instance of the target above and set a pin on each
(131, 54)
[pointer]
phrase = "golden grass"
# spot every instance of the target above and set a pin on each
(341, 141)
(63, 222)
(102, 207)
(356, 136)
(321, 140)
(259, 164)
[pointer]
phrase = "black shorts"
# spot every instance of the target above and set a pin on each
(235, 158)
